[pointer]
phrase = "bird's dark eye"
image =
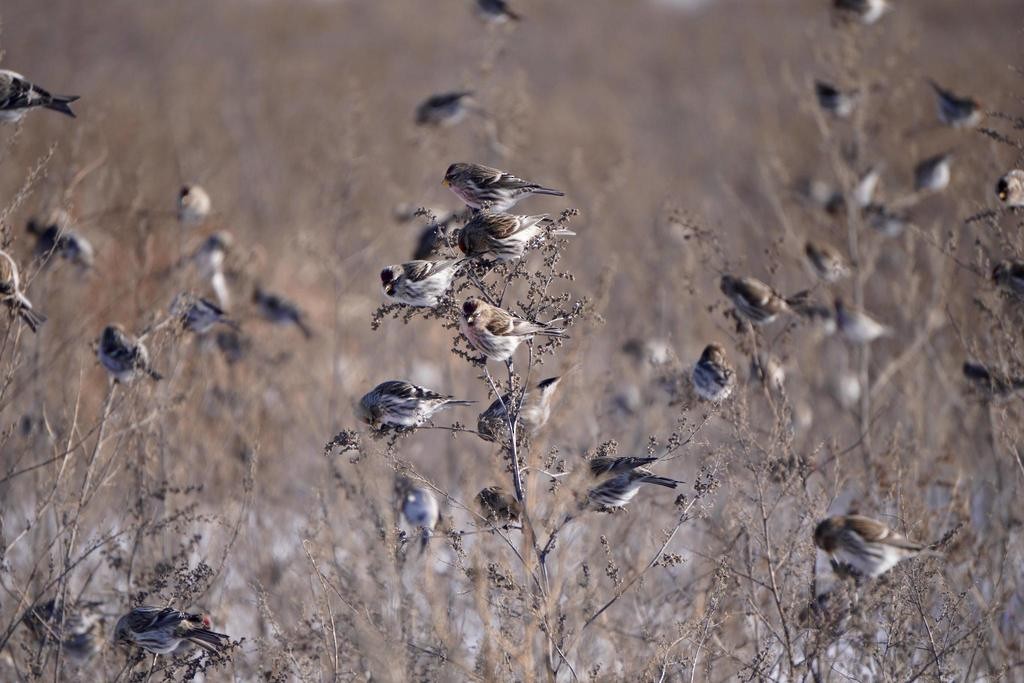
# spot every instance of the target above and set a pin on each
(184, 192)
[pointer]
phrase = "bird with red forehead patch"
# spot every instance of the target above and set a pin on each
(496, 333)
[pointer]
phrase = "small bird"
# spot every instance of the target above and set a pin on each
(885, 221)
(496, 12)
(419, 283)
(11, 295)
(79, 629)
(862, 546)
(18, 95)
(280, 311)
(504, 236)
(825, 261)
(1010, 276)
(713, 377)
(956, 111)
(866, 185)
(934, 173)
(209, 259)
(1010, 189)
(198, 314)
(193, 205)
(621, 479)
(857, 326)
(402, 406)
(124, 356)
(160, 630)
(483, 187)
(419, 508)
(499, 506)
(444, 109)
(756, 301)
(496, 333)
(492, 425)
(837, 102)
(866, 12)
(54, 237)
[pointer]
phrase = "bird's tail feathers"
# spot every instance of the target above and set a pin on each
(661, 481)
(32, 318)
(208, 640)
(60, 103)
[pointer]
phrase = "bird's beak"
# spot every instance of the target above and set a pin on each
(446, 182)
(469, 319)
(1002, 196)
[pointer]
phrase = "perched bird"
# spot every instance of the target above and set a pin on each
(756, 301)
(504, 236)
(18, 95)
(496, 12)
(419, 508)
(209, 259)
(11, 295)
(825, 261)
(54, 237)
(496, 333)
(1010, 276)
(402, 406)
(837, 102)
(483, 187)
(934, 173)
(713, 377)
(885, 221)
(862, 546)
(534, 413)
(866, 12)
(280, 311)
(1010, 189)
(956, 111)
(124, 356)
(444, 109)
(620, 480)
(499, 506)
(989, 383)
(867, 183)
(198, 314)
(193, 205)
(160, 630)
(857, 326)
(79, 629)
(419, 283)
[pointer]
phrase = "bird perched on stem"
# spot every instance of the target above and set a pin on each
(483, 187)
(756, 301)
(534, 413)
(419, 283)
(1010, 189)
(55, 237)
(496, 333)
(198, 314)
(499, 506)
(713, 377)
(124, 356)
(504, 236)
(160, 630)
(402, 406)
(839, 103)
(78, 629)
(444, 109)
(419, 508)
(18, 96)
(956, 111)
(825, 261)
(11, 295)
(620, 480)
(862, 546)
